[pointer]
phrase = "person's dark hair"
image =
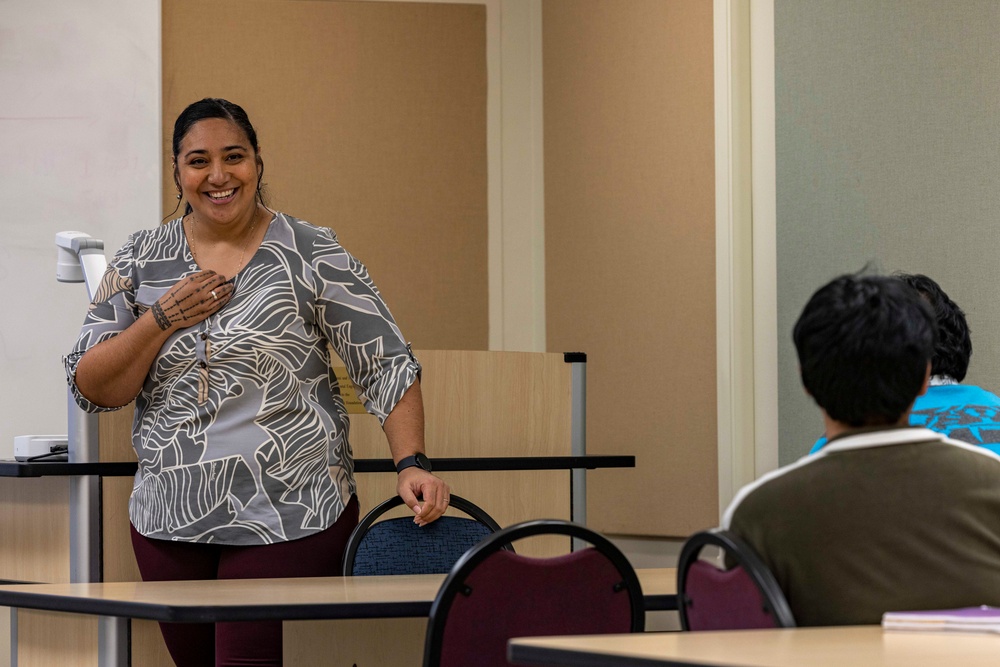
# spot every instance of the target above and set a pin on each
(864, 342)
(954, 342)
(214, 107)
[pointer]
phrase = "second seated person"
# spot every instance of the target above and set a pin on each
(960, 411)
(217, 324)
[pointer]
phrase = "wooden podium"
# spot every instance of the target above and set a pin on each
(477, 404)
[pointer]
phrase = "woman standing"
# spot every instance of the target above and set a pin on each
(217, 325)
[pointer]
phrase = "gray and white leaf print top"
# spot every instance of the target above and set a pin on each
(264, 456)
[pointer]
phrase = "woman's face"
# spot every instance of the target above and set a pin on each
(217, 172)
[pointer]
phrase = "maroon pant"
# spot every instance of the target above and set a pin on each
(245, 643)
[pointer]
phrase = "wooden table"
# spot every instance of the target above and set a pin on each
(263, 599)
(260, 599)
(853, 646)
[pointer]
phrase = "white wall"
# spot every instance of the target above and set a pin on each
(81, 150)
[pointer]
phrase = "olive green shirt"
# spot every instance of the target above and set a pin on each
(887, 520)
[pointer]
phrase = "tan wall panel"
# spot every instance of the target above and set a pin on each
(34, 522)
(630, 248)
(115, 442)
(119, 559)
(46, 639)
(376, 642)
(5, 637)
(372, 120)
(485, 404)
(148, 649)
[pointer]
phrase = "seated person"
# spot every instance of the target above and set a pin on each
(960, 411)
(887, 516)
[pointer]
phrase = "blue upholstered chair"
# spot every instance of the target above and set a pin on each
(399, 546)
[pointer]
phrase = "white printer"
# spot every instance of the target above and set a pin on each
(41, 448)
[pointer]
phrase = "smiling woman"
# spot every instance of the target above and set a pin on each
(218, 324)
(218, 172)
(215, 150)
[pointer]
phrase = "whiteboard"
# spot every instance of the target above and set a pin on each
(82, 147)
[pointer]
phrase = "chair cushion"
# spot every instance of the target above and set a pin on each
(399, 546)
(723, 599)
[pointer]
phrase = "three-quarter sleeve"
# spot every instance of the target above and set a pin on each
(111, 312)
(360, 328)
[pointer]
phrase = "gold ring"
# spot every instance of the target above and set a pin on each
(214, 295)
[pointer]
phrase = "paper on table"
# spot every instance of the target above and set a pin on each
(967, 619)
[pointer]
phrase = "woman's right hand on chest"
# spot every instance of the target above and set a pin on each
(191, 300)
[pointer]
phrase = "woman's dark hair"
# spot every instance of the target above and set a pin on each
(214, 107)
(954, 343)
(864, 343)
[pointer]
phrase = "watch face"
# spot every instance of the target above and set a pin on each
(417, 460)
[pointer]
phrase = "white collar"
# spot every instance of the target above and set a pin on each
(880, 437)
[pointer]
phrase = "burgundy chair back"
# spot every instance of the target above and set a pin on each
(741, 597)
(504, 595)
(724, 600)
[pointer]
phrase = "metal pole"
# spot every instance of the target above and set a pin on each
(113, 642)
(84, 498)
(578, 437)
(13, 637)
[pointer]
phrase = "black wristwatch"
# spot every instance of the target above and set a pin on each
(419, 460)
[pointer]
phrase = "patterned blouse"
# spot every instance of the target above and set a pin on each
(239, 428)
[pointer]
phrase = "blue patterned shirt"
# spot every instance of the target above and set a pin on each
(960, 411)
(260, 454)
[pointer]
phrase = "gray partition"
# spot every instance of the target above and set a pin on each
(888, 152)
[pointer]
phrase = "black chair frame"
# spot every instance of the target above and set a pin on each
(732, 545)
(454, 583)
(358, 534)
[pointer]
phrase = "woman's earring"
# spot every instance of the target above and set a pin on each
(178, 195)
